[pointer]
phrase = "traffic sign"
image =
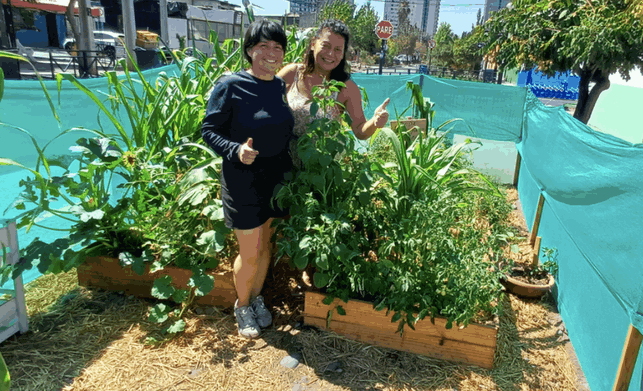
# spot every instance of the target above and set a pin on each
(431, 44)
(384, 29)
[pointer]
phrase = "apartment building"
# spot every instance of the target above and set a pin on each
(310, 6)
(493, 5)
(424, 14)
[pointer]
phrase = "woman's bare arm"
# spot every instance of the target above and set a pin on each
(351, 98)
(288, 74)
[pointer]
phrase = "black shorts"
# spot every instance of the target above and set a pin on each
(247, 191)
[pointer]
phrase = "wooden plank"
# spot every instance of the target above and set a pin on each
(8, 312)
(475, 344)
(4, 334)
(412, 342)
(107, 273)
(539, 213)
(363, 313)
(628, 359)
(535, 256)
(421, 123)
(517, 169)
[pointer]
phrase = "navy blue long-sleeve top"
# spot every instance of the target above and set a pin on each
(242, 106)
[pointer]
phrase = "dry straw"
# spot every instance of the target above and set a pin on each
(95, 340)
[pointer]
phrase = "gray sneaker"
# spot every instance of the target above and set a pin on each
(262, 313)
(246, 322)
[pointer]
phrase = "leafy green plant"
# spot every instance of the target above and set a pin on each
(400, 234)
(141, 187)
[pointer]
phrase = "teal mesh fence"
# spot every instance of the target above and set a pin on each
(24, 105)
(591, 181)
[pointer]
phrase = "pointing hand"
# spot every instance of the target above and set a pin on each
(381, 115)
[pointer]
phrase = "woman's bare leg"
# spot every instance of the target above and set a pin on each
(265, 254)
(251, 265)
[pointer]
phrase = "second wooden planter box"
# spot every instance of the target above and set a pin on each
(474, 344)
(107, 273)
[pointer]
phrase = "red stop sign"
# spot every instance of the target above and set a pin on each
(384, 29)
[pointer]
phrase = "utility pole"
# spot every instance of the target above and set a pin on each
(86, 35)
(164, 28)
(129, 28)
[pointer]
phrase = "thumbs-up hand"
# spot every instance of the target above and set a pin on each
(380, 118)
(247, 155)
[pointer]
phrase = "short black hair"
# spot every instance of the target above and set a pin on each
(340, 73)
(263, 30)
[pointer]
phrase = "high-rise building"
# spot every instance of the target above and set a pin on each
(493, 5)
(424, 14)
(310, 6)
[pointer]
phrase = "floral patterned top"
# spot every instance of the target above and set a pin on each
(300, 105)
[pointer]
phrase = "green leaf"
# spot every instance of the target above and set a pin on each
(300, 261)
(321, 279)
(515, 248)
(397, 316)
(159, 313)
(325, 160)
(328, 300)
(180, 295)
(5, 379)
(322, 262)
(163, 288)
(204, 283)
(212, 241)
(305, 244)
(340, 310)
(314, 108)
(176, 327)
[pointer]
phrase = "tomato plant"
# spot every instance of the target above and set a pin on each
(400, 234)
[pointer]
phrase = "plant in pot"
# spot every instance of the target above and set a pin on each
(535, 278)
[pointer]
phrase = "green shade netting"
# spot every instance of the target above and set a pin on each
(489, 111)
(593, 191)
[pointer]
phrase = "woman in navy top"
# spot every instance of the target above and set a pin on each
(249, 124)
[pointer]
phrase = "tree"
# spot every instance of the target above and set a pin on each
(444, 40)
(593, 38)
(339, 10)
(69, 13)
(467, 53)
(403, 23)
(363, 29)
(479, 20)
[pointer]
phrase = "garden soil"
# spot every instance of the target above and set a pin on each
(83, 339)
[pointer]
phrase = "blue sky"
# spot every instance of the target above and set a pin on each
(459, 15)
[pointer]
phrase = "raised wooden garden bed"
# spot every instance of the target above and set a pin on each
(474, 344)
(107, 273)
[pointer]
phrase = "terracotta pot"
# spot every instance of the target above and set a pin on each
(523, 289)
(107, 273)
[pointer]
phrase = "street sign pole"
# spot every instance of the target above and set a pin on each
(383, 30)
(382, 55)
(429, 70)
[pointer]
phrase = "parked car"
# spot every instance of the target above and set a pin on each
(402, 59)
(108, 42)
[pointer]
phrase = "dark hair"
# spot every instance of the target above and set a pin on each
(263, 30)
(336, 27)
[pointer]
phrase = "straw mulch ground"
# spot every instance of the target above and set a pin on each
(95, 340)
